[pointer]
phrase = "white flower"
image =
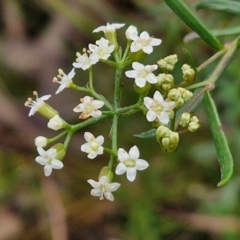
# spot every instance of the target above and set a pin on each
(142, 74)
(101, 50)
(130, 163)
(55, 123)
(40, 141)
(158, 108)
(131, 32)
(109, 27)
(144, 42)
(103, 188)
(65, 79)
(93, 146)
(88, 107)
(85, 61)
(48, 159)
(35, 105)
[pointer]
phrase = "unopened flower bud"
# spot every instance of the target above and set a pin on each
(131, 32)
(185, 119)
(106, 171)
(167, 139)
(167, 64)
(60, 151)
(193, 126)
(56, 123)
(188, 73)
(144, 89)
(41, 141)
(165, 82)
(185, 94)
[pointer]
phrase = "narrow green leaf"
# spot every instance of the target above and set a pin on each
(224, 155)
(216, 32)
(188, 17)
(190, 59)
(220, 5)
(148, 134)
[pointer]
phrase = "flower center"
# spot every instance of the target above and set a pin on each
(129, 163)
(49, 160)
(156, 107)
(94, 146)
(89, 108)
(142, 74)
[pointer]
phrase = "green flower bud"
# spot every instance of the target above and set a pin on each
(168, 63)
(185, 119)
(137, 56)
(167, 139)
(144, 89)
(106, 171)
(188, 73)
(60, 151)
(165, 82)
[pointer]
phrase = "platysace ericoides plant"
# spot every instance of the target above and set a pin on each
(159, 109)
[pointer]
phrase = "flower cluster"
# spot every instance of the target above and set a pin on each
(160, 110)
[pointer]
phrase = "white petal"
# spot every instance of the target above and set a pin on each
(56, 164)
(158, 96)
(93, 183)
(100, 140)
(45, 97)
(71, 74)
(85, 147)
(88, 136)
(120, 169)
(134, 153)
(148, 102)
(47, 170)
(147, 49)
(100, 150)
(144, 35)
(96, 113)
(163, 117)
(109, 196)
(41, 151)
(51, 152)
(140, 82)
(155, 42)
(122, 154)
(131, 73)
(151, 78)
(131, 174)
(103, 180)
(96, 192)
(92, 155)
(97, 103)
(114, 186)
(41, 160)
(135, 47)
(151, 116)
(141, 164)
(169, 105)
(137, 66)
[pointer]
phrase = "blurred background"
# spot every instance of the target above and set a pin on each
(176, 198)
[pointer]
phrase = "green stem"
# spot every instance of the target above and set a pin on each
(231, 49)
(87, 122)
(58, 136)
(211, 59)
(116, 104)
(94, 94)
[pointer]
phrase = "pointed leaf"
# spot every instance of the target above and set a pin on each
(221, 5)
(196, 25)
(148, 134)
(224, 155)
